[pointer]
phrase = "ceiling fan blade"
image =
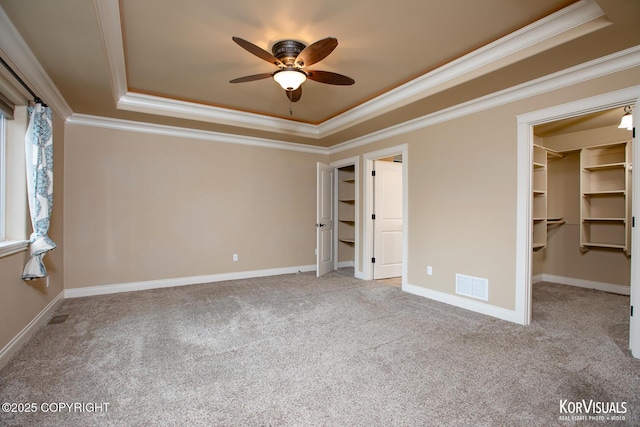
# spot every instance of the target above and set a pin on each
(257, 51)
(294, 95)
(329, 78)
(251, 78)
(316, 51)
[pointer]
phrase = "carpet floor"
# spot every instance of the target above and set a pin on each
(332, 351)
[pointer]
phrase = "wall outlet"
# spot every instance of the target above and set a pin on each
(429, 270)
(235, 257)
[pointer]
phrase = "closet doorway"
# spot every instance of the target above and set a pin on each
(347, 212)
(582, 202)
(527, 186)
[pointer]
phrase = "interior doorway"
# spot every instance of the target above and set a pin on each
(385, 202)
(526, 187)
(347, 209)
(582, 216)
(582, 202)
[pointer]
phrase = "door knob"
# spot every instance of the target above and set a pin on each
(319, 225)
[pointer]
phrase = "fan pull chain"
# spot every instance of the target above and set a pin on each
(290, 109)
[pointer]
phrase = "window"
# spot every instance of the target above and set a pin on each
(14, 215)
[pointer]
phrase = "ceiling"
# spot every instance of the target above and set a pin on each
(598, 119)
(167, 62)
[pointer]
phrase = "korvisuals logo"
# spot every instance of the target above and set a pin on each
(592, 410)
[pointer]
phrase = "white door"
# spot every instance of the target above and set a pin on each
(387, 226)
(324, 220)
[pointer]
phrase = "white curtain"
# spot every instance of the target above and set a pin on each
(39, 156)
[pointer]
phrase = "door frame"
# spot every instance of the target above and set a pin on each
(525, 124)
(367, 194)
(355, 162)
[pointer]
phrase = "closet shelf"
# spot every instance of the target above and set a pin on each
(551, 153)
(555, 221)
(345, 234)
(605, 208)
(619, 165)
(540, 156)
(604, 245)
(603, 193)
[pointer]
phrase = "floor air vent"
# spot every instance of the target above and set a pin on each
(473, 287)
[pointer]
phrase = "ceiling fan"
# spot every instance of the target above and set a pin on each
(291, 57)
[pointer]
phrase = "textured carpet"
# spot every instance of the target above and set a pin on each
(300, 350)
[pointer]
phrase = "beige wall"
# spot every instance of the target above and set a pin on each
(462, 191)
(462, 188)
(562, 256)
(144, 207)
(22, 301)
(462, 204)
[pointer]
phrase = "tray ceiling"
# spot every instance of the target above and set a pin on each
(170, 62)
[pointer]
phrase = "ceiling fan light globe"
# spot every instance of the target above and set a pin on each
(290, 79)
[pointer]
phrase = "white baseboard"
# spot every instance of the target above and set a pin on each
(27, 332)
(346, 264)
(181, 281)
(467, 304)
(590, 284)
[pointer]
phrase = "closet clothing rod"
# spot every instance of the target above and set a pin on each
(36, 98)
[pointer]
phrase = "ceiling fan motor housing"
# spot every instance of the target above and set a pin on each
(287, 51)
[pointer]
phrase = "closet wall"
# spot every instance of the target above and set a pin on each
(563, 256)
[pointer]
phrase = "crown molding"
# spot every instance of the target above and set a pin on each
(174, 131)
(143, 103)
(609, 64)
(613, 63)
(561, 22)
(15, 50)
(110, 27)
(17, 53)
(592, 104)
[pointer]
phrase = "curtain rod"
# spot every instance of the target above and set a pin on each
(36, 98)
